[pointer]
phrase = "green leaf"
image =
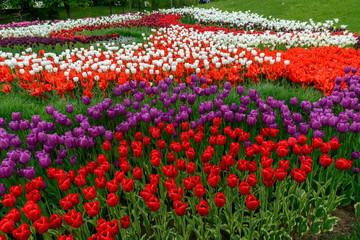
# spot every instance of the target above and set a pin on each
(330, 223)
(225, 228)
(357, 210)
(302, 225)
(236, 237)
(265, 233)
(284, 236)
(316, 226)
(197, 233)
(320, 212)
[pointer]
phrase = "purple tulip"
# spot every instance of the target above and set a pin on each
(306, 105)
(2, 122)
(294, 101)
(240, 90)
(347, 69)
(69, 108)
(29, 172)
(2, 189)
(16, 116)
(25, 157)
(245, 100)
(86, 100)
(304, 128)
(342, 127)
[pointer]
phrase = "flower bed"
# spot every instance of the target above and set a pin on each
(179, 147)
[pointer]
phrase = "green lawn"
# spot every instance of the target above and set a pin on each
(319, 10)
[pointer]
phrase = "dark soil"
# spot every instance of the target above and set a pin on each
(344, 227)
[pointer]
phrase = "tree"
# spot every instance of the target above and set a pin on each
(66, 3)
(24, 5)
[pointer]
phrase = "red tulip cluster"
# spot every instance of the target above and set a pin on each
(160, 169)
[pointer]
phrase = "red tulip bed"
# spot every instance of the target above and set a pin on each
(178, 147)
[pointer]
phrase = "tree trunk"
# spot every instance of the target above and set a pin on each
(26, 8)
(139, 5)
(170, 3)
(67, 8)
(110, 8)
(130, 5)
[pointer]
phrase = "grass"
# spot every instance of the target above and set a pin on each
(28, 105)
(318, 10)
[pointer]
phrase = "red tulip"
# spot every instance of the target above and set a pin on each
(190, 167)
(190, 153)
(213, 180)
(180, 208)
(22, 232)
(92, 209)
(154, 178)
(252, 167)
(7, 225)
(343, 164)
(307, 149)
(188, 183)
(325, 148)
(317, 142)
(242, 165)
(180, 164)
(280, 174)
(251, 202)
(153, 204)
(267, 173)
(64, 237)
(14, 214)
(326, 160)
(112, 200)
(100, 182)
(106, 145)
(203, 208)
(127, 184)
(9, 200)
(55, 221)
(89, 193)
(302, 139)
(176, 194)
(298, 175)
(199, 190)
(282, 152)
(112, 185)
(64, 185)
(138, 136)
(42, 225)
(32, 211)
(125, 222)
(244, 188)
(334, 144)
(171, 157)
(16, 191)
(80, 181)
(232, 181)
(73, 218)
(146, 141)
(284, 164)
(220, 199)
(252, 180)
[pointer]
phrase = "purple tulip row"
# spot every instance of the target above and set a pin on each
(34, 41)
